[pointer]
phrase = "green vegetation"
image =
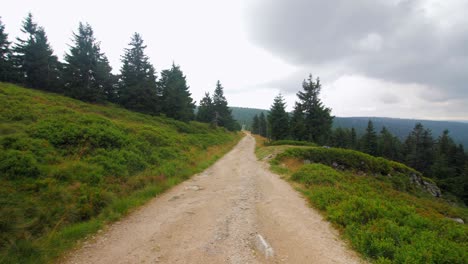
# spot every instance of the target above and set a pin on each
(245, 115)
(68, 167)
(384, 217)
(87, 75)
(290, 142)
(216, 111)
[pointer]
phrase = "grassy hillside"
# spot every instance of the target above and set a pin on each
(375, 205)
(68, 167)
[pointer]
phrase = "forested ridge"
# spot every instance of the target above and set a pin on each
(85, 74)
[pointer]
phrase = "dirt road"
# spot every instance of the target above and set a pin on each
(234, 212)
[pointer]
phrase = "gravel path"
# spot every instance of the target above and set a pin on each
(234, 212)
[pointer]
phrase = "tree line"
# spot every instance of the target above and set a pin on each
(438, 158)
(87, 75)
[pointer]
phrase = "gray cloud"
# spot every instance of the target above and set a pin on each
(399, 41)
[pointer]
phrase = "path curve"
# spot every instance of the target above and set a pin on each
(217, 217)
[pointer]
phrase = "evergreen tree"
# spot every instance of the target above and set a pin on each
(206, 111)
(34, 60)
(87, 72)
(449, 166)
(317, 118)
(177, 102)
(223, 115)
(138, 88)
(340, 138)
(256, 125)
(389, 146)
(353, 140)
(278, 119)
(6, 67)
(262, 125)
(418, 149)
(369, 140)
(297, 123)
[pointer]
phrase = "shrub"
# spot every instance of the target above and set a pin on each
(317, 174)
(290, 142)
(15, 165)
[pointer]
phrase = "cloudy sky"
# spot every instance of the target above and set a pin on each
(393, 58)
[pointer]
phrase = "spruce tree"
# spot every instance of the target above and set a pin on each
(138, 88)
(340, 138)
(177, 102)
(278, 119)
(206, 112)
(297, 123)
(418, 149)
(87, 73)
(389, 146)
(317, 118)
(223, 115)
(262, 125)
(369, 140)
(6, 66)
(256, 125)
(34, 61)
(353, 140)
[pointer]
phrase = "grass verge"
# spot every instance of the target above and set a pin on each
(380, 215)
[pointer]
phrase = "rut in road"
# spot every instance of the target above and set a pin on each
(216, 216)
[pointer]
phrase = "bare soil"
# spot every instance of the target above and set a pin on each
(217, 217)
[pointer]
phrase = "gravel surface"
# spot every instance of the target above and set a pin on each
(218, 216)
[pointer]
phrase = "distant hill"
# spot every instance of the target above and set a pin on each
(245, 115)
(399, 127)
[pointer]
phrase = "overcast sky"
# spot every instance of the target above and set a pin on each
(393, 58)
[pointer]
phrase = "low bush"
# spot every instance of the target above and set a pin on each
(290, 142)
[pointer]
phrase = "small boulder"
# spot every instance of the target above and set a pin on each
(458, 220)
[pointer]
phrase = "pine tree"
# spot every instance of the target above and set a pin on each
(369, 140)
(206, 111)
(177, 102)
(223, 115)
(34, 60)
(6, 66)
(278, 119)
(317, 118)
(262, 125)
(297, 123)
(87, 73)
(138, 88)
(256, 125)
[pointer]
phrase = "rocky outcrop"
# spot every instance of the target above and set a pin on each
(430, 187)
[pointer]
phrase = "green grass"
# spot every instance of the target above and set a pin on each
(382, 217)
(67, 167)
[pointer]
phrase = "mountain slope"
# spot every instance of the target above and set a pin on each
(67, 167)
